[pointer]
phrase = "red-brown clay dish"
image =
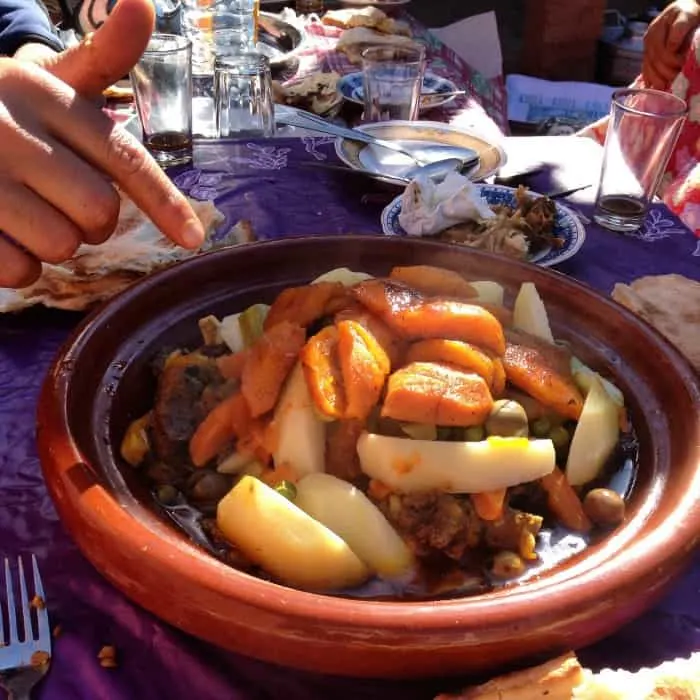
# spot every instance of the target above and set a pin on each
(101, 381)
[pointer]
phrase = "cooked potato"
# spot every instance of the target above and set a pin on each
(300, 434)
(595, 437)
(281, 538)
(135, 445)
(455, 467)
(346, 511)
(530, 314)
(489, 292)
(346, 277)
(583, 376)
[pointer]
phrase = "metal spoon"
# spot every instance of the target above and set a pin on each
(291, 116)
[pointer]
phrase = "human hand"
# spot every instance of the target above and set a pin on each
(666, 42)
(60, 154)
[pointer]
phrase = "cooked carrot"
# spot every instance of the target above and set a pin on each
(564, 502)
(392, 345)
(489, 504)
(498, 386)
(269, 362)
(378, 490)
(543, 371)
(454, 352)
(342, 459)
(437, 394)
(214, 431)
(304, 305)
(231, 366)
(408, 313)
(434, 281)
(321, 365)
(281, 472)
(502, 313)
(364, 367)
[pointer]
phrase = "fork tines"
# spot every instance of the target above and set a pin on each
(16, 652)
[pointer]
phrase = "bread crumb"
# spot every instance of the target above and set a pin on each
(39, 658)
(38, 602)
(108, 657)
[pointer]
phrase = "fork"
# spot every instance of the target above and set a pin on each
(23, 663)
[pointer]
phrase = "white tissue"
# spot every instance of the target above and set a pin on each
(427, 208)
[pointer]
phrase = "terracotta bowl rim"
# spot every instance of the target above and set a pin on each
(546, 597)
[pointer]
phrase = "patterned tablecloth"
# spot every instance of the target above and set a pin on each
(156, 661)
(483, 108)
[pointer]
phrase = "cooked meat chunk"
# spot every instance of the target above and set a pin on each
(509, 531)
(435, 522)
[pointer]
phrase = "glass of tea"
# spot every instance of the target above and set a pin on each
(162, 82)
(243, 102)
(392, 79)
(642, 132)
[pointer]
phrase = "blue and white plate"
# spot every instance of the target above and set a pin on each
(351, 88)
(567, 225)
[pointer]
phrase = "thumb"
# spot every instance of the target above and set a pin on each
(678, 32)
(106, 56)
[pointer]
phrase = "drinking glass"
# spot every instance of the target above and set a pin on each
(162, 83)
(243, 96)
(392, 78)
(642, 132)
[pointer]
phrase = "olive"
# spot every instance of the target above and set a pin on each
(287, 489)
(507, 419)
(560, 436)
(507, 565)
(541, 427)
(604, 507)
(167, 494)
(210, 486)
(474, 433)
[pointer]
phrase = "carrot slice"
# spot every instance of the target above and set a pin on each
(434, 281)
(231, 366)
(214, 431)
(319, 359)
(564, 502)
(304, 305)
(454, 352)
(489, 504)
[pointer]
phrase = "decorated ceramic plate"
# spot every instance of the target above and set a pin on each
(567, 225)
(434, 88)
(414, 137)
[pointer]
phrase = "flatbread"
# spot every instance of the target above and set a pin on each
(137, 248)
(354, 41)
(670, 303)
(369, 17)
(563, 678)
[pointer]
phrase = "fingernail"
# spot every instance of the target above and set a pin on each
(193, 234)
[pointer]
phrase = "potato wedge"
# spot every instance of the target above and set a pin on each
(583, 376)
(595, 437)
(299, 434)
(286, 542)
(488, 292)
(455, 467)
(346, 277)
(530, 314)
(346, 511)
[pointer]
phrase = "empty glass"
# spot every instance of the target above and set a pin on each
(243, 96)
(162, 83)
(643, 129)
(392, 82)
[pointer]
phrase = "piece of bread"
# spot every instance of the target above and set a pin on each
(553, 680)
(670, 303)
(369, 17)
(353, 41)
(317, 93)
(563, 678)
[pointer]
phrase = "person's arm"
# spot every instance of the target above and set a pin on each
(25, 22)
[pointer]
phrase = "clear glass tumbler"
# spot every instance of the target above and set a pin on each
(392, 78)
(243, 96)
(643, 129)
(162, 83)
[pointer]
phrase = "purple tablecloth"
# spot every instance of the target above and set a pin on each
(156, 661)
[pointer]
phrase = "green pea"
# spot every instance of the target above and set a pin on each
(560, 436)
(167, 494)
(474, 433)
(287, 489)
(540, 428)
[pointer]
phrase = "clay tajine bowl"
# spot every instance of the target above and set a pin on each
(101, 381)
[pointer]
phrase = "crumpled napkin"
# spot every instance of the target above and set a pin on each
(428, 208)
